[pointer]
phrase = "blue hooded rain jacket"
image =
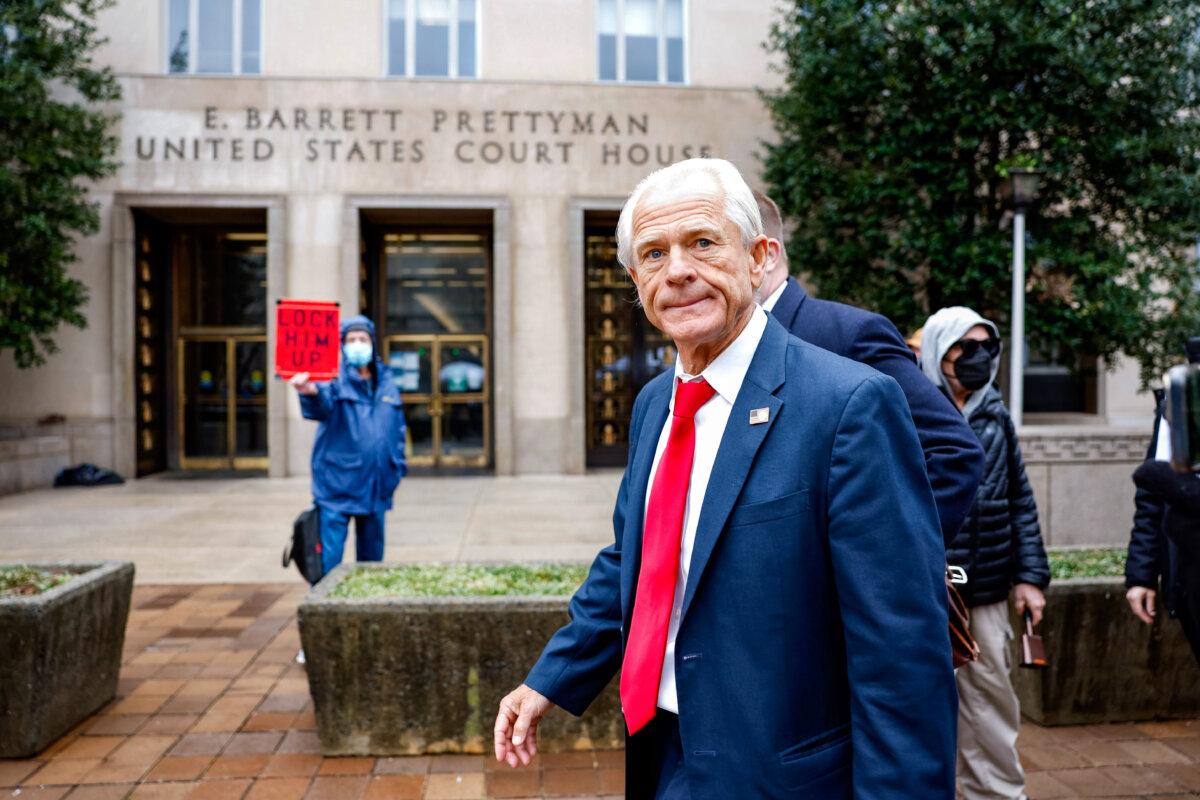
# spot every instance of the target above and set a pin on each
(358, 456)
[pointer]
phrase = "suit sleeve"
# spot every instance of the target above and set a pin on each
(1030, 564)
(583, 656)
(1143, 563)
(953, 456)
(888, 563)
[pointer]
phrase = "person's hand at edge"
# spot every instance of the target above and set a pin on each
(1028, 596)
(303, 385)
(1141, 602)
(516, 725)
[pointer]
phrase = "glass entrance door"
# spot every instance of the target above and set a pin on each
(443, 380)
(623, 350)
(435, 312)
(223, 399)
(221, 347)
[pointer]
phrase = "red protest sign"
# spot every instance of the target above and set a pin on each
(306, 338)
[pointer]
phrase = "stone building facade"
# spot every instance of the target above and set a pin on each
(453, 168)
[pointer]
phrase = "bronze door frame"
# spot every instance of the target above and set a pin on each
(376, 251)
(437, 400)
(232, 337)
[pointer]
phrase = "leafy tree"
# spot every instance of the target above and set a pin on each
(898, 121)
(52, 142)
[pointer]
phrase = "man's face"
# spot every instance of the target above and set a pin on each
(357, 336)
(979, 333)
(694, 276)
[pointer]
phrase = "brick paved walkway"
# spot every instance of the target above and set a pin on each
(212, 707)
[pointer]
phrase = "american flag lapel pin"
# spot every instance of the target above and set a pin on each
(759, 415)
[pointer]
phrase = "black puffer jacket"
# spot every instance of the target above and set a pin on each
(1000, 543)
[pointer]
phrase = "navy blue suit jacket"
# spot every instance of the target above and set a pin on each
(953, 456)
(812, 658)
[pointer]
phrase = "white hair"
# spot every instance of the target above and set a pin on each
(680, 179)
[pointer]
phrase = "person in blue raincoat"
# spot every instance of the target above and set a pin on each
(358, 455)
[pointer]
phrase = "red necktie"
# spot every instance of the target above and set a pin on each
(647, 643)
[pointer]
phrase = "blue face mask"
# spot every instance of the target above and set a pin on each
(358, 354)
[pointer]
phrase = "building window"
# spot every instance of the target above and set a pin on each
(218, 37)
(432, 38)
(640, 40)
(1058, 382)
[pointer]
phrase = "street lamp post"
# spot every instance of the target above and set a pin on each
(1024, 190)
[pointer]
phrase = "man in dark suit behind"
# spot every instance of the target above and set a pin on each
(953, 456)
(774, 594)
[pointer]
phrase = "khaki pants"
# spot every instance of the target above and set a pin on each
(988, 712)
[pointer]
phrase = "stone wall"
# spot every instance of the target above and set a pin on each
(31, 462)
(1105, 664)
(1081, 477)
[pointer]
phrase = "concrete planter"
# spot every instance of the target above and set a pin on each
(410, 676)
(1105, 664)
(61, 654)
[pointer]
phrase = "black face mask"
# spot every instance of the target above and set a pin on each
(975, 370)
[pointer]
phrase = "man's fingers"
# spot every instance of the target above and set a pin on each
(524, 719)
(527, 749)
(531, 739)
(1137, 604)
(500, 736)
(502, 730)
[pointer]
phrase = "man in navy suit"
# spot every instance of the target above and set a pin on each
(953, 456)
(774, 596)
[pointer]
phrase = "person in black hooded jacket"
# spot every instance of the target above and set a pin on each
(1000, 547)
(1165, 541)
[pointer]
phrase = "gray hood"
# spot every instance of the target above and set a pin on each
(940, 333)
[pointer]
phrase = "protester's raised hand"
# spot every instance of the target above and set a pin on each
(516, 725)
(1141, 601)
(303, 384)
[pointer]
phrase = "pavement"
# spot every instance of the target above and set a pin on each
(182, 529)
(212, 706)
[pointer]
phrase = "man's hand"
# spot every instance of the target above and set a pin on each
(1141, 601)
(1028, 596)
(303, 385)
(516, 725)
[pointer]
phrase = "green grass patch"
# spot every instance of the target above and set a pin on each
(561, 580)
(22, 580)
(463, 580)
(1108, 562)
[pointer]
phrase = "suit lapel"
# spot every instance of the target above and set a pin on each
(653, 418)
(739, 445)
(787, 307)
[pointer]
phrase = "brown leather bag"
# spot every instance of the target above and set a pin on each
(1033, 649)
(962, 643)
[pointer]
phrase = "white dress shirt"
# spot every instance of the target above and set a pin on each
(773, 298)
(725, 375)
(1162, 448)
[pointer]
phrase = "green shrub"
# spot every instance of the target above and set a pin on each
(463, 580)
(1093, 563)
(19, 579)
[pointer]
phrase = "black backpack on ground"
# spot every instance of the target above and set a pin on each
(87, 475)
(305, 545)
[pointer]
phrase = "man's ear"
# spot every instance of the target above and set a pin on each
(759, 260)
(774, 252)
